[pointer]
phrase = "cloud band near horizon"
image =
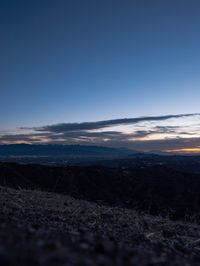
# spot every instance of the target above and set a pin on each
(147, 133)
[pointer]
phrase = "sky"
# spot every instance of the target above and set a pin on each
(75, 62)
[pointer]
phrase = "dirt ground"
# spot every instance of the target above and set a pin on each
(40, 228)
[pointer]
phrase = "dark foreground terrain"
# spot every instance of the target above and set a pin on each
(146, 213)
(42, 228)
(156, 189)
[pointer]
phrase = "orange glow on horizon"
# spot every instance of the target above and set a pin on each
(192, 150)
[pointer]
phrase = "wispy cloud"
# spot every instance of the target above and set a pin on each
(141, 133)
(64, 127)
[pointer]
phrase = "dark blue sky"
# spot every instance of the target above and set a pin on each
(75, 60)
(91, 60)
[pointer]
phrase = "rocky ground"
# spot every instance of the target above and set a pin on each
(40, 228)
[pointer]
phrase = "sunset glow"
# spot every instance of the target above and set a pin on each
(185, 150)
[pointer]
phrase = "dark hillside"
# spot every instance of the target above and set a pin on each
(47, 229)
(156, 189)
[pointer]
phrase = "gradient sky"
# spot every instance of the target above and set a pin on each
(67, 61)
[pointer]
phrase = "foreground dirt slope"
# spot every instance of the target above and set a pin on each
(39, 228)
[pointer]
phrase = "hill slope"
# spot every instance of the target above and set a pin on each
(155, 189)
(39, 228)
(61, 150)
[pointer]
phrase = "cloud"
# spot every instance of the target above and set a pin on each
(144, 133)
(65, 127)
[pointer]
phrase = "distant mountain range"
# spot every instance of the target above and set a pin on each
(63, 150)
